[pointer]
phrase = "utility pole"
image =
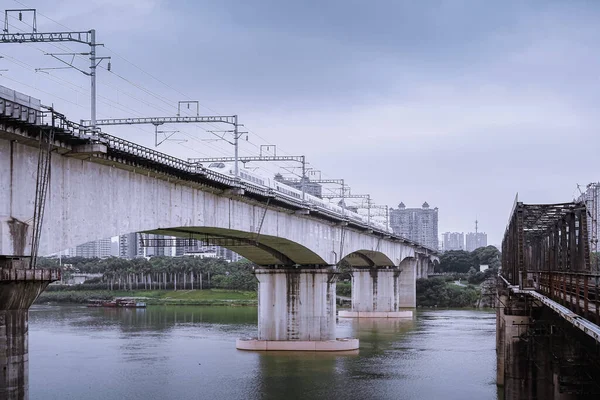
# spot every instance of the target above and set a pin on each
(334, 181)
(93, 78)
(84, 37)
(236, 159)
(157, 121)
(236, 147)
(592, 196)
(343, 196)
(386, 215)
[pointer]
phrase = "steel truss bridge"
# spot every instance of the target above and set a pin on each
(546, 256)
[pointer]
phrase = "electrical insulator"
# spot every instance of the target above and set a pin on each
(20, 16)
(108, 66)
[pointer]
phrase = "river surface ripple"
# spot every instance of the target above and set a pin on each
(187, 352)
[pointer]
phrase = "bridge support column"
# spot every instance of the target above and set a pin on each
(512, 321)
(376, 294)
(408, 283)
(296, 311)
(19, 287)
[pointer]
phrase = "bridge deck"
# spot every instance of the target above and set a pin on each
(28, 125)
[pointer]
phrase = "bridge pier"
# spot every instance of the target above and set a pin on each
(19, 287)
(296, 311)
(511, 353)
(376, 294)
(381, 292)
(540, 355)
(408, 283)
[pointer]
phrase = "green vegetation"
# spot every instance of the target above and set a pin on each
(462, 261)
(344, 289)
(176, 280)
(151, 297)
(159, 280)
(438, 292)
(158, 273)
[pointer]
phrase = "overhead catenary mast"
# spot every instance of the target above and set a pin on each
(84, 37)
(299, 159)
(157, 121)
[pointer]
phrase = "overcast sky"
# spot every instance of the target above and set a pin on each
(458, 103)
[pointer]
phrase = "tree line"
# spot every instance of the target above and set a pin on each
(461, 261)
(173, 273)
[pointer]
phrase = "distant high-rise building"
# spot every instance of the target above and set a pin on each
(227, 254)
(475, 240)
(114, 249)
(453, 241)
(180, 247)
(197, 247)
(129, 246)
(155, 249)
(311, 188)
(96, 249)
(417, 224)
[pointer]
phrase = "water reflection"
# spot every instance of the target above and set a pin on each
(380, 334)
(189, 353)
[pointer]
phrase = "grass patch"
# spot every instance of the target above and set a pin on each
(182, 297)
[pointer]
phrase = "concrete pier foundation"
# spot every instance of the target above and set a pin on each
(512, 365)
(19, 287)
(540, 355)
(296, 311)
(376, 294)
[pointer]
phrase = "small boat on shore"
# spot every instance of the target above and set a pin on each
(119, 302)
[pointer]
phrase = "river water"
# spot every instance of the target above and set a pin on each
(186, 352)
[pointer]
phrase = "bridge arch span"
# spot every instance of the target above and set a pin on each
(263, 250)
(367, 259)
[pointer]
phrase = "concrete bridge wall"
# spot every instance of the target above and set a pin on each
(95, 198)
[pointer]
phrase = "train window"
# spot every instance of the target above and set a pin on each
(216, 165)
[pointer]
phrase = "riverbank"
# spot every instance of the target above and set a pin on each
(435, 292)
(207, 297)
(447, 293)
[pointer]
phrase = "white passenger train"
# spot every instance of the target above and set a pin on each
(227, 168)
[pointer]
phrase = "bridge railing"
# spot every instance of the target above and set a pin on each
(134, 149)
(42, 117)
(579, 291)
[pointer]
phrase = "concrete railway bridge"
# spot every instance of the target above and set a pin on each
(60, 188)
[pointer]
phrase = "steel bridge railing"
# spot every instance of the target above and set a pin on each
(578, 291)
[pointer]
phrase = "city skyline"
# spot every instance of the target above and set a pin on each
(464, 241)
(129, 246)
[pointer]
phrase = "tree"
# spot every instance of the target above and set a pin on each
(455, 261)
(462, 261)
